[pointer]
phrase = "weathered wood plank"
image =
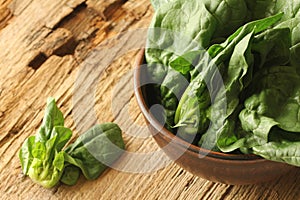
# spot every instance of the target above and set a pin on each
(44, 45)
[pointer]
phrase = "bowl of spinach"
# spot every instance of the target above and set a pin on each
(226, 75)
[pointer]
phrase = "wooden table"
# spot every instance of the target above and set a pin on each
(73, 50)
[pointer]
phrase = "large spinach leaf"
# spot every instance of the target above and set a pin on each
(283, 146)
(274, 102)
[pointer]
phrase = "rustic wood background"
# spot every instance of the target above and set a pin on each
(44, 46)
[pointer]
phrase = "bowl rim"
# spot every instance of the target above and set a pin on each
(189, 147)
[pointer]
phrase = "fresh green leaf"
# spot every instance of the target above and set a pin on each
(71, 175)
(191, 117)
(185, 63)
(254, 26)
(59, 160)
(40, 155)
(171, 90)
(46, 172)
(96, 149)
(294, 26)
(262, 8)
(63, 135)
(285, 151)
(52, 117)
(25, 154)
(158, 3)
(39, 150)
(283, 83)
(180, 28)
(273, 47)
(240, 63)
(275, 98)
(44, 161)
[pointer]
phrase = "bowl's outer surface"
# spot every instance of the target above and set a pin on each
(217, 167)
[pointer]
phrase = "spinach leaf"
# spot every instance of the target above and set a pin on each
(48, 161)
(191, 111)
(93, 151)
(158, 3)
(271, 115)
(71, 173)
(25, 154)
(186, 62)
(171, 90)
(291, 9)
(192, 117)
(274, 101)
(285, 151)
(52, 117)
(272, 47)
(229, 14)
(235, 80)
(178, 32)
(267, 45)
(194, 103)
(294, 26)
(283, 146)
(264, 8)
(181, 26)
(255, 26)
(40, 155)
(43, 159)
(220, 53)
(170, 34)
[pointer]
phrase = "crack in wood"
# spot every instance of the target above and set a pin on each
(82, 25)
(79, 8)
(62, 46)
(110, 10)
(64, 38)
(106, 9)
(37, 61)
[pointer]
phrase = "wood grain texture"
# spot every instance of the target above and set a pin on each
(60, 49)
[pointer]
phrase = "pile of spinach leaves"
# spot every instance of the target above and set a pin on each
(228, 74)
(45, 161)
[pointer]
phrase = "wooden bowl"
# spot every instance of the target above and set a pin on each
(234, 169)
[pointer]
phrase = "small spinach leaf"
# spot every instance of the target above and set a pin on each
(25, 154)
(93, 151)
(46, 163)
(52, 117)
